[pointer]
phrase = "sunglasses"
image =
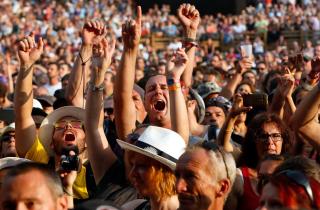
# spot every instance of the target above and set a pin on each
(74, 123)
(208, 145)
(7, 137)
(300, 179)
(109, 111)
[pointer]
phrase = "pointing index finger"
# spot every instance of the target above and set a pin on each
(139, 15)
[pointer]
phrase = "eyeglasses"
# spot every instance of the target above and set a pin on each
(275, 137)
(208, 145)
(74, 123)
(300, 179)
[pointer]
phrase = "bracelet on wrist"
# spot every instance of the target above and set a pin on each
(83, 62)
(27, 67)
(67, 193)
(171, 81)
(174, 86)
(94, 88)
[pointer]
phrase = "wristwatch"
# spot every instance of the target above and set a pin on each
(94, 88)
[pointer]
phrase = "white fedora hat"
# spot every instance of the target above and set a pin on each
(47, 125)
(161, 144)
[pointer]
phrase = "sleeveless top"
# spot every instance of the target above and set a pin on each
(249, 199)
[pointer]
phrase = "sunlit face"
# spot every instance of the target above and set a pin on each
(108, 80)
(53, 71)
(214, 115)
(269, 141)
(157, 99)
(68, 132)
(195, 184)
(317, 51)
(244, 89)
(140, 64)
(262, 68)
(249, 76)
(141, 172)
(63, 70)
(161, 69)
(29, 191)
(8, 145)
(139, 74)
(137, 100)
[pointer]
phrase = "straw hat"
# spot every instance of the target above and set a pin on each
(47, 125)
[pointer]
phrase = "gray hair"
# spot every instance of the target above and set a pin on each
(221, 163)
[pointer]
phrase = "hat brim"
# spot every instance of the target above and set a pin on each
(132, 147)
(47, 125)
(200, 103)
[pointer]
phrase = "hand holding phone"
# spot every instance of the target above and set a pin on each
(246, 51)
(256, 101)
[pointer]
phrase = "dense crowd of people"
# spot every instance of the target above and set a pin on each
(92, 117)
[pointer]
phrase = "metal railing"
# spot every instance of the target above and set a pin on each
(218, 39)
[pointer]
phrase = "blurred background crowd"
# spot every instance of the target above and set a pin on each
(266, 26)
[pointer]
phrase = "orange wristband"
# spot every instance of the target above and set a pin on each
(174, 86)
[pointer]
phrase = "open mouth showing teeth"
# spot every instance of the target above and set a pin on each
(70, 137)
(160, 105)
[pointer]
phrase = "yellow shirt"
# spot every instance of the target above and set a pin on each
(38, 153)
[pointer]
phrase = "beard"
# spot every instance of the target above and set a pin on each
(9, 153)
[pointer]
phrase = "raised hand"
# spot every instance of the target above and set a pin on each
(244, 64)
(131, 31)
(286, 84)
(101, 60)
(93, 32)
(29, 51)
(237, 107)
(189, 17)
(177, 64)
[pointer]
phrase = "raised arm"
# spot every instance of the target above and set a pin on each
(228, 90)
(189, 17)
(224, 137)
(305, 119)
(282, 102)
(178, 108)
(92, 34)
(9, 73)
(125, 117)
(100, 154)
(29, 52)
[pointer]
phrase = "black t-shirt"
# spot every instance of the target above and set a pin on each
(114, 186)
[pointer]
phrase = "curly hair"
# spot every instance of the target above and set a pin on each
(249, 156)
